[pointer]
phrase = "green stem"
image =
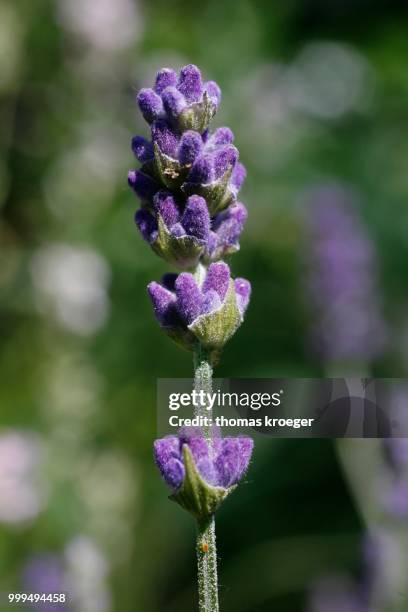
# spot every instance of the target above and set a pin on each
(206, 544)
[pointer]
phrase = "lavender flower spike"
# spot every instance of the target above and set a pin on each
(341, 279)
(200, 480)
(188, 183)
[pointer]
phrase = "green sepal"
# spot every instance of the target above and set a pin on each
(197, 116)
(195, 495)
(169, 171)
(183, 252)
(217, 194)
(182, 337)
(215, 328)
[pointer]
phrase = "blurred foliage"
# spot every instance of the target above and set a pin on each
(313, 90)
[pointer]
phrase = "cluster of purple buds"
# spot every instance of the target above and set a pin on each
(207, 310)
(188, 184)
(201, 475)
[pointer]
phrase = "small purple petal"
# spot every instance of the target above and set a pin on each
(243, 293)
(190, 147)
(214, 92)
(174, 102)
(202, 171)
(164, 302)
(165, 138)
(233, 459)
(196, 218)
(224, 158)
(193, 437)
(238, 177)
(166, 77)
(147, 224)
(142, 149)
(150, 104)
(142, 184)
(218, 277)
(189, 297)
(211, 302)
(190, 84)
(165, 449)
(229, 224)
(227, 462)
(222, 136)
(246, 446)
(178, 230)
(167, 455)
(165, 204)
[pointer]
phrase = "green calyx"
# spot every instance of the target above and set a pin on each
(168, 170)
(197, 116)
(214, 329)
(183, 252)
(217, 194)
(210, 330)
(195, 495)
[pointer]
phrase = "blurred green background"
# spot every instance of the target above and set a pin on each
(314, 91)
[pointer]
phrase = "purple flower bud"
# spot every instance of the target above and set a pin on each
(222, 468)
(196, 219)
(232, 460)
(166, 77)
(238, 177)
(202, 171)
(218, 277)
(190, 147)
(243, 293)
(211, 302)
(164, 137)
(147, 224)
(142, 184)
(164, 302)
(165, 204)
(150, 104)
(142, 149)
(190, 84)
(168, 460)
(189, 297)
(224, 158)
(178, 230)
(214, 92)
(222, 136)
(228, 226)
(174, 102)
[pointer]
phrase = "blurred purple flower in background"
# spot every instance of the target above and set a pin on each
(44, 574)
(340, 281)
(22, 491)
(396, 483)
(80, 572)
(336, 594)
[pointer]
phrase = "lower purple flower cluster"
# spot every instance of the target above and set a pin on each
(208, 311)
(222, 466)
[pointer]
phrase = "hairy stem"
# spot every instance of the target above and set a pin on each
(206, 545)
